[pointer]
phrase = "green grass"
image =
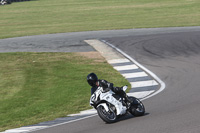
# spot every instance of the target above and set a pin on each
(36, 87)
(56, 16)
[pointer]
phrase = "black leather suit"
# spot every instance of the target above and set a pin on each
(107, 85)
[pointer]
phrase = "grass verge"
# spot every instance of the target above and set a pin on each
(36, 87)
(50, 16)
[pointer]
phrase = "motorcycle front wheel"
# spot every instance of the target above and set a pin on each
(107, 116)
(137, 108)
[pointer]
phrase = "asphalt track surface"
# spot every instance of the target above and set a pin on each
(173, 54)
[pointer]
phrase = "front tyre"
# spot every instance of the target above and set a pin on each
(137, 108)
(108, 117)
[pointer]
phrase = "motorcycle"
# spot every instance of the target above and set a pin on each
(4, 2)
(111, 106)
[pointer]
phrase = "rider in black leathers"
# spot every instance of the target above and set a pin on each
(93, 81)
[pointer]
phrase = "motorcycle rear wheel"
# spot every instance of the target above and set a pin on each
(108, 117)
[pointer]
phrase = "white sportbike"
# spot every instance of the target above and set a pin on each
(110, 106)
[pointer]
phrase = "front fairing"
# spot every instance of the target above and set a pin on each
(101, 96)
(95, 96)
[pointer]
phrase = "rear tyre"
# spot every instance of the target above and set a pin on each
(137, 108)
(108, 117)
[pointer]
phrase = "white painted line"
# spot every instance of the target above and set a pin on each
(140, 94)
(24, 129)
(16, 131)
(142, 67)
(143, 83)
(85, 112)
(118, 61)
(67, 122)
(135, 75)
(126, 67)
(36, 128)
